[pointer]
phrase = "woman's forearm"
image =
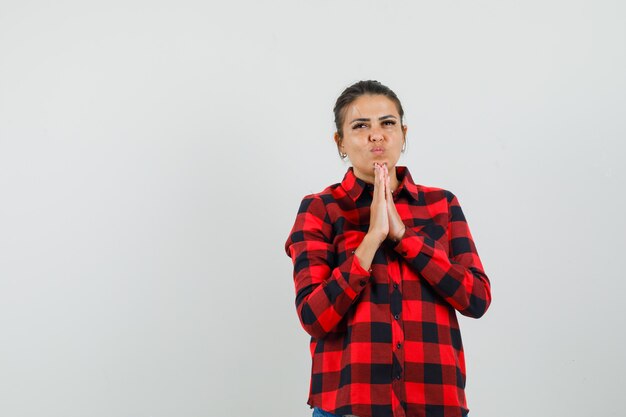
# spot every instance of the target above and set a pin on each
(366, 250)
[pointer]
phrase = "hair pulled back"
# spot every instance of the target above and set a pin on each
(357, 90)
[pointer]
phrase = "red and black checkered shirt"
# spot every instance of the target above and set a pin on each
(386, 342)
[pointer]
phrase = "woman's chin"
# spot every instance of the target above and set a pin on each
(380, 160)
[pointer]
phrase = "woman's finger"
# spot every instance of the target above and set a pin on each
(386, 180)
(379, 187)
(375, 179)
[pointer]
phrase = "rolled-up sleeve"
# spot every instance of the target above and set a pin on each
(325, 291)
(457, 273)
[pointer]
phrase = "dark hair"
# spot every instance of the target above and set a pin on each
(357, 90)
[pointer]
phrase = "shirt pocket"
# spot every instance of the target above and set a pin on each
(347, 242)
(433, 229)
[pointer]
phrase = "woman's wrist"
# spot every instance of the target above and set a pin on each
(366, 250)
(397, 238)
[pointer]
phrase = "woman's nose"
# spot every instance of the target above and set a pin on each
(376, 135)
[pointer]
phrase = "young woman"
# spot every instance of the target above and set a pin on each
(381, 266)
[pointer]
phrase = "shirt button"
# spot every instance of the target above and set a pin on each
(395, 286)
(398, 377)
(397, 316)
(399, 345)
(362, 283)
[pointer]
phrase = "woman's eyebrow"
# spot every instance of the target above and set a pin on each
(363, 119)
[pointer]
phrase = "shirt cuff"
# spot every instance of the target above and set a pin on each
(357, 277)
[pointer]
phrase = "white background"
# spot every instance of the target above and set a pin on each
(153, 155)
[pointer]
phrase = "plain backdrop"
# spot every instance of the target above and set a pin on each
(153, 155)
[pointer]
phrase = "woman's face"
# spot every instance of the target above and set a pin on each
(372, 132)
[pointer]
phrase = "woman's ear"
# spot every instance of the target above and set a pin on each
(338, 141)
(404, 129)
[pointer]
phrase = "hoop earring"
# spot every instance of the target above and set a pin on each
(403, 146)
(341, 154)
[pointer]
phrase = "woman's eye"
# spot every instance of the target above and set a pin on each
(359, 126)
(389, 122)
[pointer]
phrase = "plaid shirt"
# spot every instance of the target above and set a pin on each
(386, 341)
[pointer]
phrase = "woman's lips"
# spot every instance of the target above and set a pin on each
(378, 151)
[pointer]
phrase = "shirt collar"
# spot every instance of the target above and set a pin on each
(355, 186)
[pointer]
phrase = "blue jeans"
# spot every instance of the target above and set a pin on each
(318, 412)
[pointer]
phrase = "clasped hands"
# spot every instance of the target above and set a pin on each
(385, 222)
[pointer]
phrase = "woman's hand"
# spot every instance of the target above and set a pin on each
(396, 225)
(385, 222)
(379, 218)
(379, 222)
